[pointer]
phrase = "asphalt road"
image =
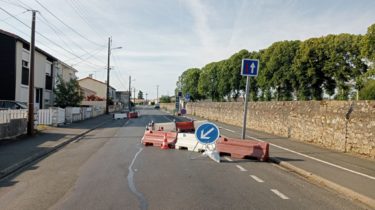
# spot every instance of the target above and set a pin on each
(109, 169)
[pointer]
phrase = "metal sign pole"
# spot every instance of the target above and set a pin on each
(245, 107)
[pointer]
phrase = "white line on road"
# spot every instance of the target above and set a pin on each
(316, 159)
(256, 178)
(228, 130)
(228, 159)
(278, 193)
(241, 168)
(167, 118)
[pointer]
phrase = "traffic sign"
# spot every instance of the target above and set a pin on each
(187, 97)
(250, 67)
(183, 111)
(207, 133)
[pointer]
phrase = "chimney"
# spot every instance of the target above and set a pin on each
(90, 75)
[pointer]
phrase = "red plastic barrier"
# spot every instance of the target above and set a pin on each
(239, 148)
(155, 138)
(132, 115)
(185, 126)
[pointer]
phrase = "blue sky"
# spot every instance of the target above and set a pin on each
(162, 38)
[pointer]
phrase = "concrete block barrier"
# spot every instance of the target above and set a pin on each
(188, 141)
(185, 126)
(167, 127)
(239, 148)
(156, 138)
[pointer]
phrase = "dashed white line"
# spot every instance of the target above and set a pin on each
(256, 178)
(228, 159)
(228, 130)
(241, 168)
(278, 193)
(316, 159)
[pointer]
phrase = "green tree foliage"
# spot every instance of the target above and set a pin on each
(368, 91)
(140, 95)
(329, 66)
(188, 83)
(165, 99)
(67, 93)
(208, 81)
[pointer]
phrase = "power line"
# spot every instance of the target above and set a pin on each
(81, 13)
(79, 34)
(58, 32)
(40, 33)
(7, 18)
(14, 4)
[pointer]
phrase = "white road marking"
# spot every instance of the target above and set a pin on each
(228, 159)
(241, 168)
(228, 130)
(316, 159)
(167, 118)
(278, 193)
(256, 178)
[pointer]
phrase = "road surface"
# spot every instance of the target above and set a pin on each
(109, 169)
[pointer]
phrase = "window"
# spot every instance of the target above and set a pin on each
(25, 64)
(25, 76)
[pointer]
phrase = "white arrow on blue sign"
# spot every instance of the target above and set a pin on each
(207, 133)
(250, 67)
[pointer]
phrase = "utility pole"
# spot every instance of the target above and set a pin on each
(134, 97)
(130, 81)
(30, 123)
(146, 98)
(108, 69)
(157, 94)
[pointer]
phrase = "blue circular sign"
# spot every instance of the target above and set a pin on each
(207, 133)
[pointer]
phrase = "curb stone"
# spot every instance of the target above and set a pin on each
(66, 140)
(325, 182)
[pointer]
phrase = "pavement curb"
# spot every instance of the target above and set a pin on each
(8, 171)
(325, 182)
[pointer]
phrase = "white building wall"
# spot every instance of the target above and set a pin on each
(22, 91)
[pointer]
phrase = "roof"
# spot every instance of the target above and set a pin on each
(95, 81)
(18, 38)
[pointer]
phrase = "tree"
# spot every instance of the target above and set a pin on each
(368, 91)
(188, 83)
(165, 99)
(67, 93)
(140, 95)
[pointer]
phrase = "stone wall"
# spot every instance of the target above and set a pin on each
(347, 126)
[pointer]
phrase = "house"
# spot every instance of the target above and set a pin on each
(14, 70)
(123, 98)
(99, 87)
(65, 72)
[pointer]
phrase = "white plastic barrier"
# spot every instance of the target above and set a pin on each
(119, 116)
(188, 141)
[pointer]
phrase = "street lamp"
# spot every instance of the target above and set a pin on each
(108, 69)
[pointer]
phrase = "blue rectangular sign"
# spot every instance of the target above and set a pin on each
(250, 67)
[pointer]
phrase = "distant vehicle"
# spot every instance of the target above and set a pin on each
(157, 106)
(5, 104)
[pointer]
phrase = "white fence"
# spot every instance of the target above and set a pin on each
(7, 115)
(53, 116)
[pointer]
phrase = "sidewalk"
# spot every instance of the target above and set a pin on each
(345, 173)
(18, 152)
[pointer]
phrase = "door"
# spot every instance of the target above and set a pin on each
(39, 97)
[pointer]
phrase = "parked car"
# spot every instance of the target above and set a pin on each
(157, 106)
(5, 105)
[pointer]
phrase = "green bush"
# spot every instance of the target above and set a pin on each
(368, 91)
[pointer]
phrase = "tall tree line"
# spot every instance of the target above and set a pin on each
(333, 66)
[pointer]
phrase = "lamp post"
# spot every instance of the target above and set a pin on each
(108, 69)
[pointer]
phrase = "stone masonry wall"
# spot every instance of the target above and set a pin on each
(347, 126)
